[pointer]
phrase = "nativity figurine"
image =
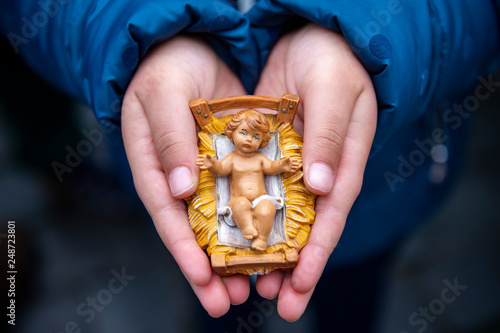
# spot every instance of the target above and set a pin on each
(251, 208)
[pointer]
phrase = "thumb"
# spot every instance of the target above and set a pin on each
(164, 85)
(174, 134)
(326, 119)
(329, 80)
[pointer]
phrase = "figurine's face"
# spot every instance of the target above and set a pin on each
(246, 139)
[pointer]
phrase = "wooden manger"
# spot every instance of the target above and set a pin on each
(230, 253)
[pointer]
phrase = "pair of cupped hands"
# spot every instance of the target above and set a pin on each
(337, 119)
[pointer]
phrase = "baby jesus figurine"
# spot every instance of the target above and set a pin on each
(252, 209)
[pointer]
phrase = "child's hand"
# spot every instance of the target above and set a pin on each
(291, 164)
(205, 161)
(159, 133)
(338, 120)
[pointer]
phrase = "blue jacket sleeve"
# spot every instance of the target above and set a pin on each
(417, 52)
(90, 49)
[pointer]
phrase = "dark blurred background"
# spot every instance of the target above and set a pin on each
(88, 258)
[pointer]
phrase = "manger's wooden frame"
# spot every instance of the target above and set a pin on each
(299, 201)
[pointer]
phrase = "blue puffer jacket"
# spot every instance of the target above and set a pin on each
(423, 56)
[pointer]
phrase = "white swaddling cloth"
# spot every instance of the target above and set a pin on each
(227, 212)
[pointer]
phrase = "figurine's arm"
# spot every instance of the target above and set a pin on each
(286, 164)
(220, 168)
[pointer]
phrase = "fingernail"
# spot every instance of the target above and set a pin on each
(320, 177)
(180, 181)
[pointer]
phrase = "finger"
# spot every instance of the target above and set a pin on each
(164, 84)
(332, 210)
(326, 118)
(269, 285)
(328, 92)
(238, 288)
(175, 140)
(168, 214)
(213, 296)
(322, 240)
(292, 304)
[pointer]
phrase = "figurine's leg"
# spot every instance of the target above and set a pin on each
(264, 214)
(243, 216)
